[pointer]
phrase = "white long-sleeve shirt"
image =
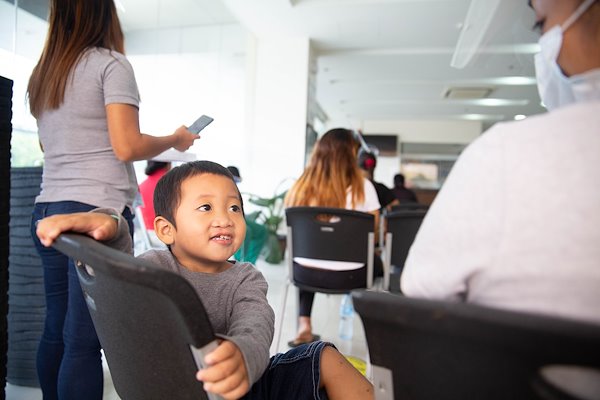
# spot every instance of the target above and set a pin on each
(517, 223)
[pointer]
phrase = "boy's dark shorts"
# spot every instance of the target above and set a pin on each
(295, 374)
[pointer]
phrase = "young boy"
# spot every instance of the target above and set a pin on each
(200, 217)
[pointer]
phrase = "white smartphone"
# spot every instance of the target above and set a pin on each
(200, 124)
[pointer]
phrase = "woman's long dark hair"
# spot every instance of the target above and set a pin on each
(332, 170)
(74, 26)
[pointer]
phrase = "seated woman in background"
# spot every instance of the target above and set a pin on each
(332, 178)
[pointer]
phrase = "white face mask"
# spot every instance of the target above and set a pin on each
(555, 88)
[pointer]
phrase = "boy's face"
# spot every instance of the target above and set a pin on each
(210, 223)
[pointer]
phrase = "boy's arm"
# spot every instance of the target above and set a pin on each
(252, 322)
(102, 224)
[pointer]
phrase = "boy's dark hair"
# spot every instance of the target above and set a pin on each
(167, 193)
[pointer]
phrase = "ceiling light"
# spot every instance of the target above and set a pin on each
(514, 80)
(480, 117)
(467, 92)
(519, 117)
(499, 102)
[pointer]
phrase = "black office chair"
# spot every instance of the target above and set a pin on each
(402, 227)
(409, 207)
(332, 234)
(423, 349)
(150, 322)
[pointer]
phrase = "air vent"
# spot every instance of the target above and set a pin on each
(467, 92)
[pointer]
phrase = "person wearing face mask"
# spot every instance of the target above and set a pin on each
(503, 232)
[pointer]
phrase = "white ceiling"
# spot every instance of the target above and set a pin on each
(386, 59)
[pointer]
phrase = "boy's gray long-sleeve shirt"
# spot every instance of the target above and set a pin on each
(235, 301)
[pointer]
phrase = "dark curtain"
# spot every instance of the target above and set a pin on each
(6, 86)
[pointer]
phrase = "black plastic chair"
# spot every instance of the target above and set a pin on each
(423, 349)
(150, 322)
(331, 234)
(402, 227)
(409, 207)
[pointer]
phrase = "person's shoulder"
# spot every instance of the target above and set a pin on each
(105, 53)
(246, 271)
(564, 120)
(160, 258)
(368, 184)
(246, 268)
(107, 57)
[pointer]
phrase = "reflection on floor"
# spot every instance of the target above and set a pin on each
(325, 323)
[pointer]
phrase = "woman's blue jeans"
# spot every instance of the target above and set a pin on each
(69, 362)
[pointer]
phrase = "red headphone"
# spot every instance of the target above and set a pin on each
(369, 163)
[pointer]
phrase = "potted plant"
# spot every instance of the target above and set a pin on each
(270, 216)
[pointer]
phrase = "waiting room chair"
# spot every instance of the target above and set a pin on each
(401, 229)
(409, 206)
(329, 250)
(150, 322)
(422, 349)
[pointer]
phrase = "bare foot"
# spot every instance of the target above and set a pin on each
(304, 330)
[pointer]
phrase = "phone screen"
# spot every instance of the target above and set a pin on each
(200, 124)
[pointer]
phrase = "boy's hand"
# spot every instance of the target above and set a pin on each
(97, 225)
(225, 373)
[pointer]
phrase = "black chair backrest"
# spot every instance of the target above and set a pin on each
(402, 227)
(330, 234)
(409, 206)
(146, 319)
(442, 350)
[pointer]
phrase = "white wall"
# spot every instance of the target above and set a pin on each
(22, 37)
(278, 89)
(183, 73)
(449, 131)
(427, 131)
(255, 88)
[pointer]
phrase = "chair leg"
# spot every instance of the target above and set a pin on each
(279, 322)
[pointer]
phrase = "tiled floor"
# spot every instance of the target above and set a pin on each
(325, 323)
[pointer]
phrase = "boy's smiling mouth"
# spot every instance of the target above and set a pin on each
(221, 238)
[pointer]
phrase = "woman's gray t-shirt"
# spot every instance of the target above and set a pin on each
(79, 162)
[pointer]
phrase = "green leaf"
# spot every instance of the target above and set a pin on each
(253, 216)
(273, 221)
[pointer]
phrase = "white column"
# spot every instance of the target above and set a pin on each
(276, 111)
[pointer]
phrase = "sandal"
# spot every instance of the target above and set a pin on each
(296, 343)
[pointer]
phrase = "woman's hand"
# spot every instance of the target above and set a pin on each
(129, 144)
(184, 139)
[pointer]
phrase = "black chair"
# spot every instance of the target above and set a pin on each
(409, 207)
(150, 322)
(331, 234)
(401, 229)
(423, 349)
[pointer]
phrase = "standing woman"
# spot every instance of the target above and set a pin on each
(332, 178)
(84, 96)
